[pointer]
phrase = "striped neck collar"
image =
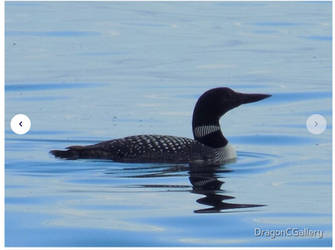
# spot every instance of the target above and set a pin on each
(210, 135)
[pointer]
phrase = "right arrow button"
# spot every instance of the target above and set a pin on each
(316, 124)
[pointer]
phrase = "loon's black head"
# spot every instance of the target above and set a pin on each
(213, 104)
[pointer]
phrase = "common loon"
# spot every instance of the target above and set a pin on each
(208, 147)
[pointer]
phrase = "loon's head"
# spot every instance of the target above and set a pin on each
(213, 104)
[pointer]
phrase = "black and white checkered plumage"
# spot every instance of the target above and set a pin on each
(209, 145)
(143, 148)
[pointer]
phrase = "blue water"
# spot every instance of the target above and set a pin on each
(90, 71)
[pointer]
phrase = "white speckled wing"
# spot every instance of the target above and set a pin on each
(147, 148)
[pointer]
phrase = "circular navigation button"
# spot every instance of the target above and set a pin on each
(316, 124)
(20, 124)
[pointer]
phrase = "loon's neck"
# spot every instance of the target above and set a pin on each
(209, 133)
(206, 114)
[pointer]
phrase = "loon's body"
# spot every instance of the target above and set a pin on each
(150, 148)
(209, 145)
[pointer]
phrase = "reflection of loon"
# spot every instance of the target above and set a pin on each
(205, 182)
(209, 146)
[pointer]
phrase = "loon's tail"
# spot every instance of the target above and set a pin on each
(72, 153)
(65, 154)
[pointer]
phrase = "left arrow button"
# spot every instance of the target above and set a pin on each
(20, 124)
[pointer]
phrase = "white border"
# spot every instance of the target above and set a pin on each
(2, 129)
(2, 123)
(168, 0)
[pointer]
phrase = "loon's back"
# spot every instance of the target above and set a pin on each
(143, 148)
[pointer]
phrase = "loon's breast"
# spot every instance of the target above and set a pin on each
(149, 148)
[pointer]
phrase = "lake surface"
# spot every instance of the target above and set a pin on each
(90, 71)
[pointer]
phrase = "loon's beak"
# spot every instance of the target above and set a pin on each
(247, 98)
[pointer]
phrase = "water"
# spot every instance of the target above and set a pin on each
(90, 71)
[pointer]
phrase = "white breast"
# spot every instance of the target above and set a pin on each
(225, 153)
(221, 156)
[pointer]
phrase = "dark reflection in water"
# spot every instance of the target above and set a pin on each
(204, 180)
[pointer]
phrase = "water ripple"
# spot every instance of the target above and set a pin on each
(298, 96)
(65, 33)
(48, 86)
(278, 140)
